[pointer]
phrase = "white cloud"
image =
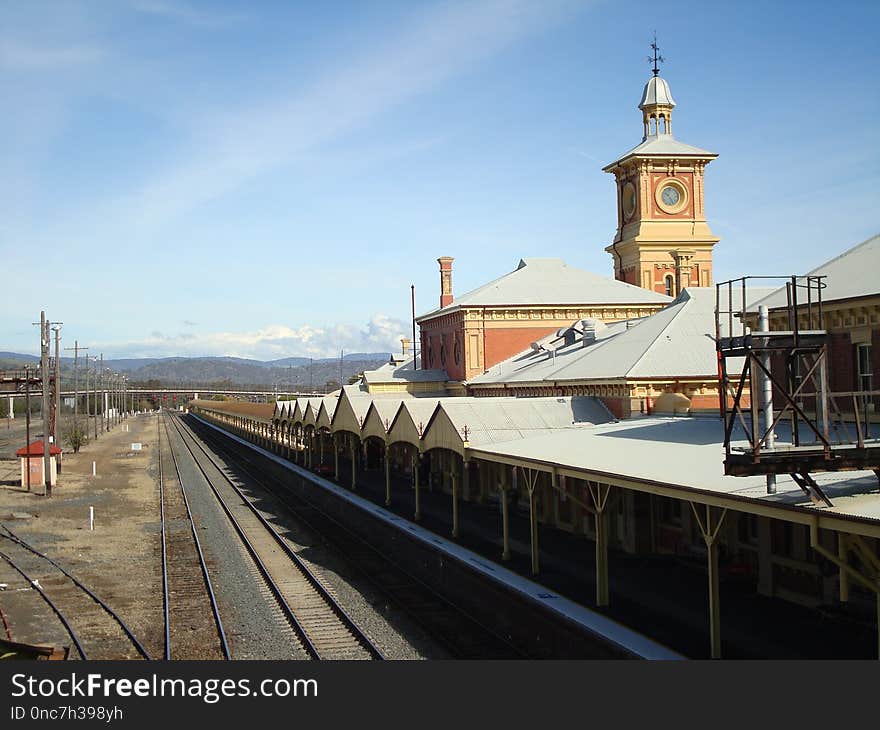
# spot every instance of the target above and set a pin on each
(380, 334)
(436, 45)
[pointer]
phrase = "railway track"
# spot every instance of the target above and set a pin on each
(78, 608)
(193, 626)
(462, 635)
(320, 622)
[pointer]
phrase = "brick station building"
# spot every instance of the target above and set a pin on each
(469, 334)
(663, 245)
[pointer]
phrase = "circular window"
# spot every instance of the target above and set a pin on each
(456, 352)
(628, 196)
(671, 195)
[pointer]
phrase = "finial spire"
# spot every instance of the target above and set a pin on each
(656, 58)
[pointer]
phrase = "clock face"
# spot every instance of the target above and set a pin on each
(670, 196)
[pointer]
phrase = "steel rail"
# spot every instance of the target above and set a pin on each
(165, 609)
(58, 612)
(286, 498)
(215, 608)
(309, 574)
(310, 648)
(128, 632)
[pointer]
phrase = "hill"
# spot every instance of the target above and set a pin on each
(286, 373)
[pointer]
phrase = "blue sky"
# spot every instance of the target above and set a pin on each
(265, 179)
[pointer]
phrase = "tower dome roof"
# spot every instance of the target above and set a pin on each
(656, 92)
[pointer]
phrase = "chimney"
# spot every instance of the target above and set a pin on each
(405, 342)
(445, 279)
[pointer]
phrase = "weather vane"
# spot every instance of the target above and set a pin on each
(656, 58)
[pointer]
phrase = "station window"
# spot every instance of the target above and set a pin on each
(669, 284)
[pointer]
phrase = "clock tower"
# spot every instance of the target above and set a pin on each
(663, 242)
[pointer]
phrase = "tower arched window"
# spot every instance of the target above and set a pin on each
(670, 285)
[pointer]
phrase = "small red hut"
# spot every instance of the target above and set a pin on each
(32, 458)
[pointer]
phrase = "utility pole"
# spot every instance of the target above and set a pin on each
(76, 351)
(56, 410)
(88, 398)
(95, 362)
(103, 398)
(27, 421)
(44, 376)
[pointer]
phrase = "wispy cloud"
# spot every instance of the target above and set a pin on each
(436, 45)
(19, 56)
(380, 334)
(208, 17)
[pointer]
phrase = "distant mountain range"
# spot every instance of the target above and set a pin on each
(289, 372)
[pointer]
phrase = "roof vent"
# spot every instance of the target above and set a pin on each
(591, 328)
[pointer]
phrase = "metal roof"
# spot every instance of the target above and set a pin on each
(404, 373)
(490, 420)
(676, 342)
(656, 92)
(418, 411)
(654, 449)
(663, 145)
(551, 282)
(854, 273)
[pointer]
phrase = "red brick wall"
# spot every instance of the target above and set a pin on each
(435, 336)
(842, 366)
(706, 402)
(619, 407)
(504, 343)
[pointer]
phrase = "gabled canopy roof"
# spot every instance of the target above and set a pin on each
(326, 411)
(379, 416)
(353, 404)
(310, 413)
(551, 282)
(480, 421)
(411, 419)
